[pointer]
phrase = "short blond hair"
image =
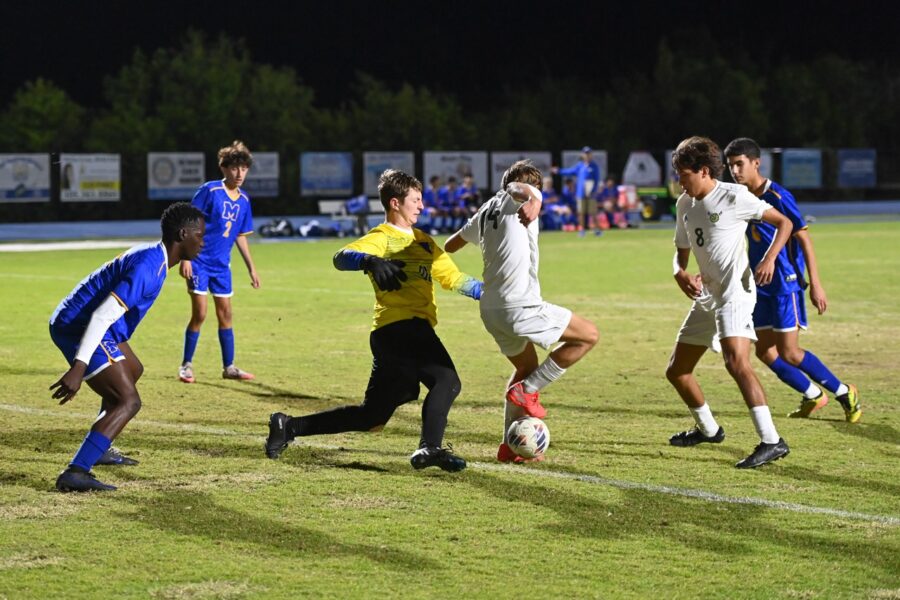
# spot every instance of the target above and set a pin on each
(522, 171)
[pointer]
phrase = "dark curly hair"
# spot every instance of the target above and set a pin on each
(177, 217)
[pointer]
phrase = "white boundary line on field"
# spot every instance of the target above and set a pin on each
(691, 493)
(591, 479)
(74, 245)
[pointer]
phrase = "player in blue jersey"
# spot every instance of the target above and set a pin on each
(229, 221)
(587, 180)
(780, 310)
(92, 326)
(402, 263)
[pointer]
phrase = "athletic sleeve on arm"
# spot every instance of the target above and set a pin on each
(445, 272)
(350, 257)
(109, 311)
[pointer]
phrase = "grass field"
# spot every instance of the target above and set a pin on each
(614, 511)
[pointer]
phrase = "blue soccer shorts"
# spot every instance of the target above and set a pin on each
(786, 312)
(107, 353)
(204, 280)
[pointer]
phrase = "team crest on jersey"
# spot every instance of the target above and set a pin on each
(426, 246)
(230, 210)
(714, 216)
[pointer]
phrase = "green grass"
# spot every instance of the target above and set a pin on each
(206, 515)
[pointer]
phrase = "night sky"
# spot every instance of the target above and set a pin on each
(459, 47)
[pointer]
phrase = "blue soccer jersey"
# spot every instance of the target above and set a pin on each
(225, 220)
(790, 268)
(134, 278)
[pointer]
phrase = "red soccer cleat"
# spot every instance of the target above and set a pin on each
(506, 455)
(530, 402)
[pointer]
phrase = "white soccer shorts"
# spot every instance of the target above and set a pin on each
(513, 328)
(707, 327)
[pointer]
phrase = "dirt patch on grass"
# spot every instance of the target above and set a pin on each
(203, 482)
(367, 503)
(49, 508)
(206, 589)
(28, 561)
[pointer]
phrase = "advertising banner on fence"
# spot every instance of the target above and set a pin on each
(642, 170)
(24, 177)
(174, 175)
(262, 178)
(801, 168)
(856, 167)
(570, 157)
(501, 161)
(326, 174)
(456, 164)
(766, 164)
(90, 177)
(376, 162)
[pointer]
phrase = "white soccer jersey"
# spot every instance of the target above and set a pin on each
(509, 251)
(714, 228)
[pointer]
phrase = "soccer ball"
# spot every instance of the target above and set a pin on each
(528, 437)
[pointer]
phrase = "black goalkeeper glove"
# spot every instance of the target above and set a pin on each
(387, 273)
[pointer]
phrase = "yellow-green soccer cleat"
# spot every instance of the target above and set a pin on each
(809, 405)
(850, 403)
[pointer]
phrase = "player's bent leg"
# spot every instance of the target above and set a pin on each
(444, 386)
(132, 362)
(680, 373)
(525, 363)
(121, 403)
(116, 386)
(580, 336)
(736, 352)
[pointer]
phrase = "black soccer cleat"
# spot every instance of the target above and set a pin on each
(76, 480)
(114, 457)
(432, 456)
(765, 453)
(278, 435)
(694, 436)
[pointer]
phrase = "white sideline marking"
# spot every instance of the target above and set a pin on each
(592, 479)
(690, 493)
(80, 245)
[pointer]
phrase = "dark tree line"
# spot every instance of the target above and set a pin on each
(206, 92)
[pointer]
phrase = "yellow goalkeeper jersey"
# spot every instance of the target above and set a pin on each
(425, 262)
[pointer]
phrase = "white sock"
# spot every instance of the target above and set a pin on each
(813, 392)
(762, 420)
(544, 375)
(706, 423)
(842, 389)
(511, 412)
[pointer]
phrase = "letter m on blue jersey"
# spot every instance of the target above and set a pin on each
(230, 210)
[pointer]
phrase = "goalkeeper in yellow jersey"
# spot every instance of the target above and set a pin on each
(401, 261)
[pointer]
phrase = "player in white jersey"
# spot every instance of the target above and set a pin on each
(512, 309)
(711, 220)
